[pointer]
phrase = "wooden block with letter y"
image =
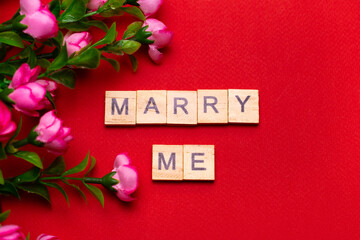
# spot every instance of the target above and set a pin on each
(167, 162)
(243, 106)
(120, 108)
(199, 162)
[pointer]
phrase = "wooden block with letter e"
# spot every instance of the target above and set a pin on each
(167, 162)
(243, 106)
(182, 107)
(199, 162)
(120, 108)
(151, 107)
(213, 106)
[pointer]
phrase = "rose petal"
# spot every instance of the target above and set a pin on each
(29, 6)
(128, 178)
(41, 24)
(149, 7)
(154, 54)
(124, 197)
(121, 159)
(21, 76)
(162, 38)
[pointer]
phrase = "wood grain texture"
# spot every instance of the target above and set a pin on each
(243, 106)
(151, 107)
(167, 162)
(199, 162)
(120, 107)
(182, 107)
(213, 106)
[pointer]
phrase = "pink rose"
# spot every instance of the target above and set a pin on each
(127, 177)
(161, 37)
(46, 237)
(41, 22)
(11, 232)
(76, 41)
(149, 7)
(95, 4)
(29, 93)
(51, 132)
(6, 125)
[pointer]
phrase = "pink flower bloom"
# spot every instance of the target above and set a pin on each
(127, 177)
(29, 93)
(41, 22)
(95, 4)
(149, 7)
(76, 41)
(46, 237)
(51, 132)
(161, 37)
(6, 125)
(11, 232)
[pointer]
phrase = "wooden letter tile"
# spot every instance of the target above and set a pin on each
(243, 106)
(199, 162)
(167, 162)
(120, 108)
(212, 106)
(182, 107)
(151, 107)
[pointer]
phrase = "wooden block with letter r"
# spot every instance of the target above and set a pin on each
(243, 106)
(167, 162)
(182, 107)
(151, 107)
(120, 108)
(199, 162)
(213, 106)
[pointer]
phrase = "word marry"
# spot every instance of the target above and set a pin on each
(181, 107)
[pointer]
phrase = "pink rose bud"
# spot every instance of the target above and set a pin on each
(149, 7)
(127, 177)
(76, 41)
(41, 22)
(51, 132)
(95, 4)
(46, 237)
(11, 232)
(29, 93)
(161, 37)
(6, 125)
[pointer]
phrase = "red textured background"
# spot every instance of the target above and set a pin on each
(294, 176)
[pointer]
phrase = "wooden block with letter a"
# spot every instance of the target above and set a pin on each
(199, 162)
(167, 162)
(243, 106)
(213, 106)
(120, 108)
(151, 107)
(182, 107)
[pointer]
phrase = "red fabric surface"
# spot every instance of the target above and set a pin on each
(294, 176)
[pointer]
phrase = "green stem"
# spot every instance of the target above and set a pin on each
(93, 180)
(44, 55)
(90, 14)
(86, 179)
(21, 143)
(6, 28)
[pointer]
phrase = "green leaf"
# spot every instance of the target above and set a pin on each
(77, 188)
(28, 237)
(30, 157)
(36, 188)
(4, 215)
(130, 46)
(79, 168)
(4, 95)
(98, 24)
(57, 167)
(12, 39)
(30, 176)
(109, 37)
(113, 62)
(92, 165)
(96, 192)
(132, 29)
(60, 61)
(2, 181)
(112, 8)
(16, 133)
(9, 189)
(32, 60)
(7, 69)
(43, 63)
(65, 77)
(2, 51)
(58, 187)
(55, 7)
(134, 62)
(134, 11)
(74, 12)
(51, 99)
(90, 58)
(58, 40)
(84, 25)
